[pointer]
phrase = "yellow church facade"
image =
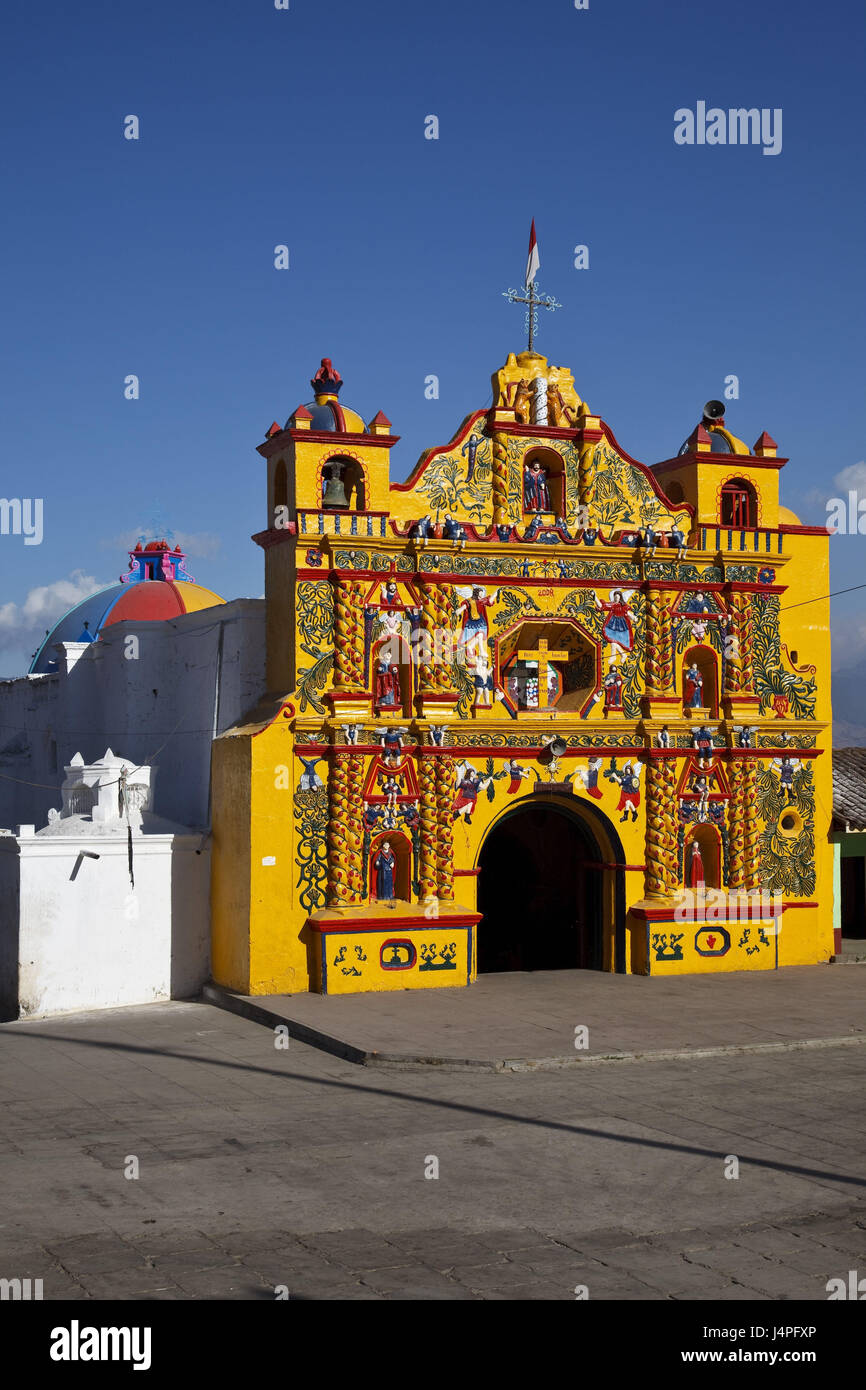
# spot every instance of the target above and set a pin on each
(539, 706)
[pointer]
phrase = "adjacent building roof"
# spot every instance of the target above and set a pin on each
(157, 586)
(849, 788)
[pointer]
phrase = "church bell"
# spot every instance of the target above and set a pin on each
(334, 493)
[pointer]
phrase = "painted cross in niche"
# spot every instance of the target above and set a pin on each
(538, 682)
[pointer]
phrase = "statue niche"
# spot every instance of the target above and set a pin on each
(390, 867)
(391, 663)
(543, 482)
(547, 665)
(701, 680)
(702, 858)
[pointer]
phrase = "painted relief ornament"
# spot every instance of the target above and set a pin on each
(787, 767)
(703, 742)
(629, 787)
(515, 774)
(482, 680)
(588, 778)
(617, 628)
(613, 688)
(472, 614)
(310, 781)
(469, 784)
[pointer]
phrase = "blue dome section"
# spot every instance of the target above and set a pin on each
(323, 417)
(93, 611)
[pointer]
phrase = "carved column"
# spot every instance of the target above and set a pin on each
(500, 479)
(345, 837)
(737, 826)
(429, 824)
(586, 473)
(434, 673)
(740, 701)
(661, 875)
(752, 825)
(445, 792)
(659, 664)
(349, 635)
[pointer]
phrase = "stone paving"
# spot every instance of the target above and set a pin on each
(262, 1169)
(507, 1021)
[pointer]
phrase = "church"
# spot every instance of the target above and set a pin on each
(539, 706)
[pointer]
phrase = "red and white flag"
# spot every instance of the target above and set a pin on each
(534, 260)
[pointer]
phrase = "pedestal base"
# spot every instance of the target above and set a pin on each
(661, 707)
(437, 706)
(742, 709)
(349, 706)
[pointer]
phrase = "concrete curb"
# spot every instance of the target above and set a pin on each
(397, 1061)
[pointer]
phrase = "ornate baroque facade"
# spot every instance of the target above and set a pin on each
(538, 705)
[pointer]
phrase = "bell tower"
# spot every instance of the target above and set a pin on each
(730, 486)
(328, 481)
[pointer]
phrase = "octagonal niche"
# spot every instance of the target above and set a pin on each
(547, 667)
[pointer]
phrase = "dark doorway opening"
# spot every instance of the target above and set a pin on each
(540, 897)
(853, 897)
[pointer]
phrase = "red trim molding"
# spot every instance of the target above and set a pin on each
(356, 925)
(274, 536)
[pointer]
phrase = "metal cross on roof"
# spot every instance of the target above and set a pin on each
(534, 300)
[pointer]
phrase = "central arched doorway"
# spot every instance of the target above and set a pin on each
(541, 892)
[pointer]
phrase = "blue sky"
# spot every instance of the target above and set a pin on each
(306, 127)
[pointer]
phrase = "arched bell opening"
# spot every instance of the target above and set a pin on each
(343, 485)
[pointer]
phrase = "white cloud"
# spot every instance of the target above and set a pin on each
(852, 478)
(23, 625)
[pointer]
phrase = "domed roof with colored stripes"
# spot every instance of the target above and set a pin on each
(156, 587)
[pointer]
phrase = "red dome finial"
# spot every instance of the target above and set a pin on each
(327, 381)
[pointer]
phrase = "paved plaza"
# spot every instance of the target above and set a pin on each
(262, 1168)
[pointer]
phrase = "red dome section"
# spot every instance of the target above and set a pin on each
(147, 602)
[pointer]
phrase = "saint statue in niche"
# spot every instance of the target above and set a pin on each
(384, 865)
(536, 495)
(693, 687)
(388, 694)
(695, 871)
